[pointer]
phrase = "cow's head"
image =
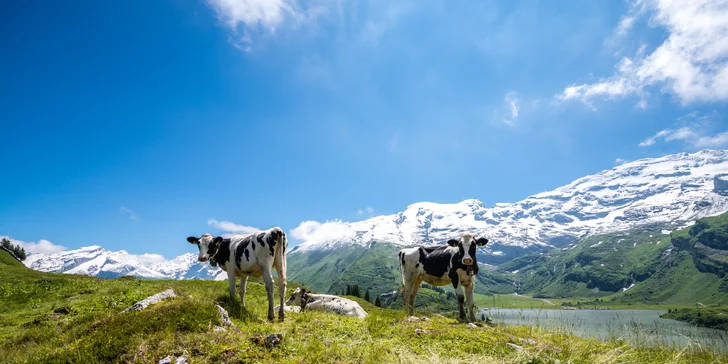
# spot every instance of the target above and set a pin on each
(466, 247)
(207, 245)
(298, 298)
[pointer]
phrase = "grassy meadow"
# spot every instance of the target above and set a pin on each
(57, 318)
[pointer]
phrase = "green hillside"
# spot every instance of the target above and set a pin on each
(59, 318)
(374, 269)
(636, 267)
(7, 260)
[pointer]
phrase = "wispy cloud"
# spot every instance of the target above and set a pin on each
(620, 161)
(128, 213)
(231, 227)
(375, 29)
(41, 247)
(691, 64)
(695, 131)
(247, 18)
(366, 210)
(268, 14)
(512, 103)
(393, 143)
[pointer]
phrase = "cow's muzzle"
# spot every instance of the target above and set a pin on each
(467, 261)
(202, 259)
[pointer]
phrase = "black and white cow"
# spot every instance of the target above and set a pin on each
(440, 265)
(248, 255)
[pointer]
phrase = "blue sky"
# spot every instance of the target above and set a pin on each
(134, 124)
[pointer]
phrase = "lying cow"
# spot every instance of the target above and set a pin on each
(325, 302)
(252, 255)
(441, 265)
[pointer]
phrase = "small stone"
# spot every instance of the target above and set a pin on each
(273, 339)
(166, 360)
(412, 319)
(472, 326)
(224, 317)
(423, 318)
(219, 329)
(514, 346)
(422, 331)
(181, 360)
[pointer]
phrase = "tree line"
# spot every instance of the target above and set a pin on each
(354, 290)
(15, 249)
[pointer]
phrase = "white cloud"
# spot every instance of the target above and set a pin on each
(146, 259)
(314, 231)
(691, 64)
(367, 210)
(231, 227)
(41, 247)
(128, 213)
(512, 102)
(695, 131)
(268, 14)
(620, 161)
(247, 17)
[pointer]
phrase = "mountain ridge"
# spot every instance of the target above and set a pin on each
(674, 190)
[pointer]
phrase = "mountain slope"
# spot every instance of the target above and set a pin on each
(671, 191)
(634, 266)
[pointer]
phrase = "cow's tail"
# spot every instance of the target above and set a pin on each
(400, 261)
(280, 254)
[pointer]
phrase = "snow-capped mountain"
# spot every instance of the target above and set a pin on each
(674, 190)
(99, 262)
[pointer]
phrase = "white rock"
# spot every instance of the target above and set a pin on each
(151, 300)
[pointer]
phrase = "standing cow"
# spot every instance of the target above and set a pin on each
(248, 255)
(440, 265)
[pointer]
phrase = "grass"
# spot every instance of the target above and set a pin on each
(56, 318)
(713, 317)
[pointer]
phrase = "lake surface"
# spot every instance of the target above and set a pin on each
(642, 327)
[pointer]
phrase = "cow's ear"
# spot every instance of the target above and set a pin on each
(192, 240)
(217, 240)
(453, 242)
(481, 241)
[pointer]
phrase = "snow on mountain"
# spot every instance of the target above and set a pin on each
(99, 262)
(674, 190)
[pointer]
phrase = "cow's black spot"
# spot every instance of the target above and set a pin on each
(260, 239)
(241, 249)
(247, 255)
(223, 251)
(271, 241)
(417, 265)
(436, 261)
(454, 278)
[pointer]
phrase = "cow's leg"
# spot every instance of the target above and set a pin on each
(281, 288)
(268, 280)
(241, 289)
(413, 295)
(470, 301)
(461, 301)
(231, 288)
